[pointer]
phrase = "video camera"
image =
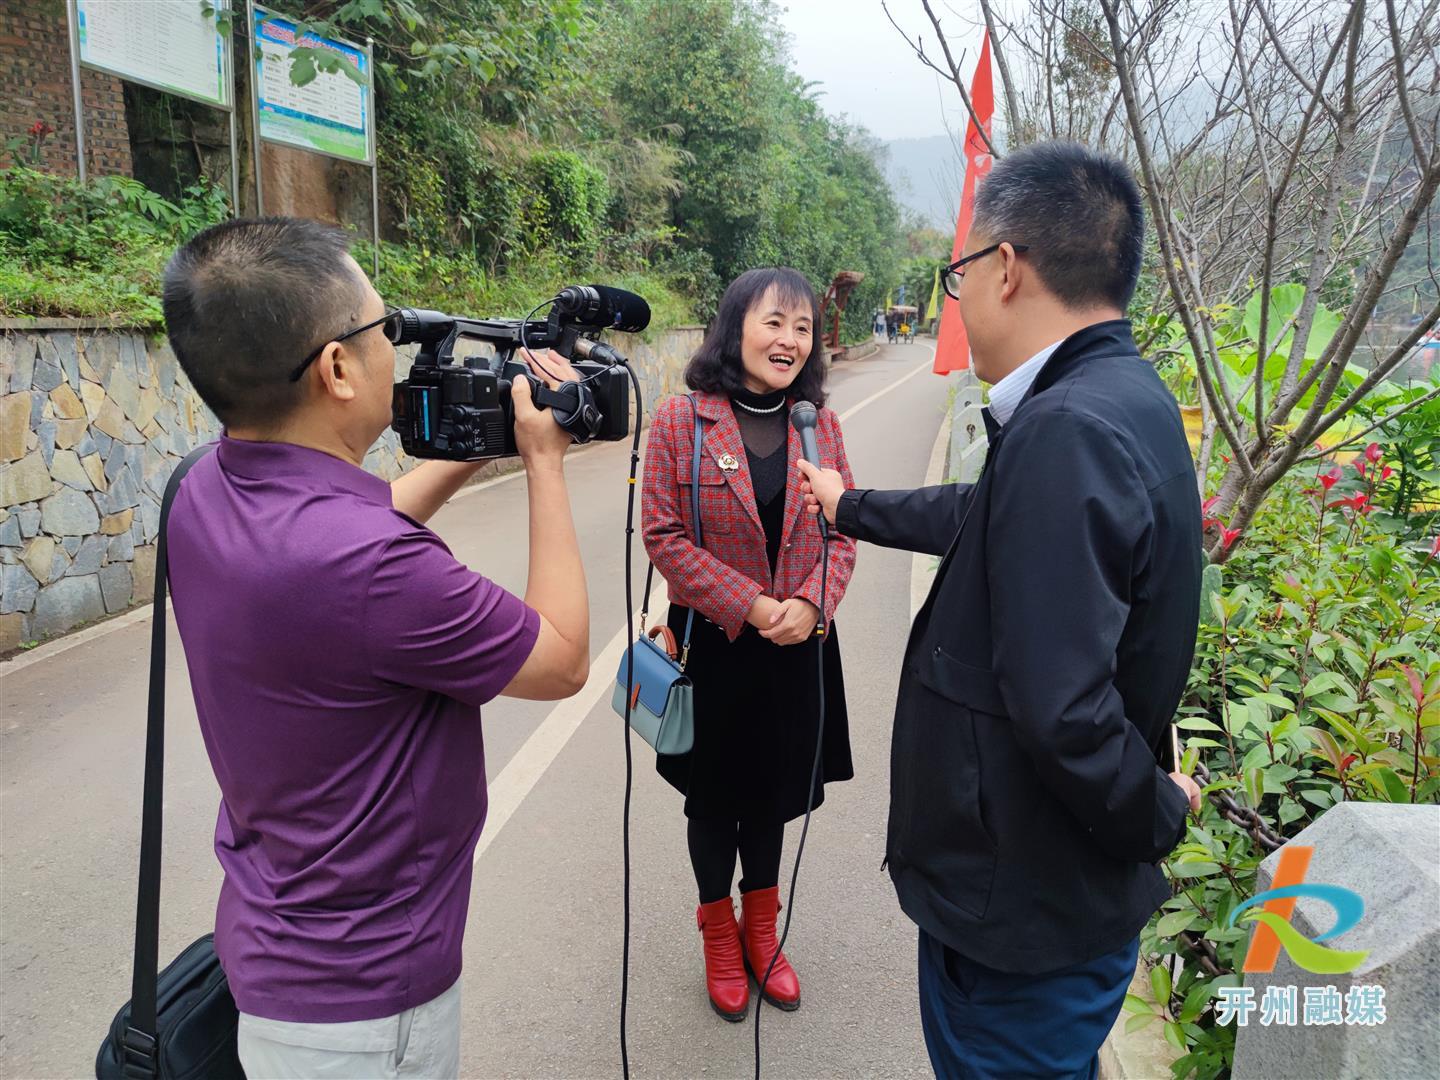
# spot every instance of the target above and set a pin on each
(462, 411)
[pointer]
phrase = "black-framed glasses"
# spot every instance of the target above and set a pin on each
(390, 322)
(955, 272)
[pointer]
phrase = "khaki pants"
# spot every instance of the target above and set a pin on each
(422, 1043)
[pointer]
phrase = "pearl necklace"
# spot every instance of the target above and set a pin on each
(759, 412)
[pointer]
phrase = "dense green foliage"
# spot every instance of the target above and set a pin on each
(1316, 680)
(624, 136)
(528, 142)
(765, 176)
(671, 138)
(91, 250)
(98, 250)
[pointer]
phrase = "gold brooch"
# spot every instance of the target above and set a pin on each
(728, 463)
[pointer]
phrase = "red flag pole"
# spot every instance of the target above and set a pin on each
(952, 351)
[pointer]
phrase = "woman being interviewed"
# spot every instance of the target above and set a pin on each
(755, 585)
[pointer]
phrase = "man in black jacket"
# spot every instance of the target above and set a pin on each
(1028, 808)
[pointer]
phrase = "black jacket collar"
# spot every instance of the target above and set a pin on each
(1109, 338)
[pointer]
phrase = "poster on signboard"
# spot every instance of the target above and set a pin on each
(171, 45)
(331, 114)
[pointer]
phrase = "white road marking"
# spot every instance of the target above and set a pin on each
(928, 365)
(523, 771)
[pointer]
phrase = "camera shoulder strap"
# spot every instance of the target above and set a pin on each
(698, 441)
(140, 1035)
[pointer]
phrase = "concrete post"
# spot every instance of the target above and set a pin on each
(1389, 855)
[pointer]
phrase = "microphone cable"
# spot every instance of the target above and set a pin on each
(629, 681)
(822, 632)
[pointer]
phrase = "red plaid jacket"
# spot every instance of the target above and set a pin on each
(722, 579)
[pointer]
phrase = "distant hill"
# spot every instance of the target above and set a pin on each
(925, 176)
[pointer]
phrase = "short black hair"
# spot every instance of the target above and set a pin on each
(1081, 213)
(245, 301)
(717, 366)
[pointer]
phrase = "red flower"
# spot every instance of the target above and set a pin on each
(1331, 478)
(40, 129)
(1225, 458)
(1228, 537)
(1357, 502)
(1373, 452)
(1386, 473)
(1207, 519)
(1359, 464)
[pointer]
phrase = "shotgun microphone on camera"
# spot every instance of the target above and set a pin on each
(604, 306)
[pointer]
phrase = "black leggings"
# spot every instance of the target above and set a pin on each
(713, 845)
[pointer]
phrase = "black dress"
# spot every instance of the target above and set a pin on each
(757, 704)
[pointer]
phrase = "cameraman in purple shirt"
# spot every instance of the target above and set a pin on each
(339, 656)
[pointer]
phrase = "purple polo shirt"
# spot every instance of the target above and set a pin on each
(339, 656)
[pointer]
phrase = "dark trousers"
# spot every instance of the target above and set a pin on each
(983, 1024)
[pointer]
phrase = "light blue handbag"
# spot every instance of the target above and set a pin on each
(651, 690)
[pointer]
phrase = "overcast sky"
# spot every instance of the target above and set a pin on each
(868, 73)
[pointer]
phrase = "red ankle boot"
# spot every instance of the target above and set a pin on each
(757, 929)
(724, 963)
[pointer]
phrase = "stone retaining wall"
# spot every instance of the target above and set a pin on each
(92, 421)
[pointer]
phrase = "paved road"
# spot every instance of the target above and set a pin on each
(542, 951)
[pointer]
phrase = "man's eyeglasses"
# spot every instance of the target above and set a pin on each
(955, 272)
(390, 323)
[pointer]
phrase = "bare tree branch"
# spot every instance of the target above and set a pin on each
(1291, 143)
(1390, 363)
(1330, 366)
(1318, 455)
(1204, 350)
(1012, 109)
(954, 72)
(1402, 91)
(1279, 47)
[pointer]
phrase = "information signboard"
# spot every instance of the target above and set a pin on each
(332, 114)
(171, 45)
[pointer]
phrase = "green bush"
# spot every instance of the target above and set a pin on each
(574, 197)
(1316, 681)
(99, 250)
(418, 278)
(94, 250)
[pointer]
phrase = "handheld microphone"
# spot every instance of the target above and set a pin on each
(604, 306)
(802, 419)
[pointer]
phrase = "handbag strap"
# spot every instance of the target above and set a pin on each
(699, 438)
(140, 1035)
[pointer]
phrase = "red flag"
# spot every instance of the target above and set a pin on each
(952, 352)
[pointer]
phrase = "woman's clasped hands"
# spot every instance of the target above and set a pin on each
(784, 622)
